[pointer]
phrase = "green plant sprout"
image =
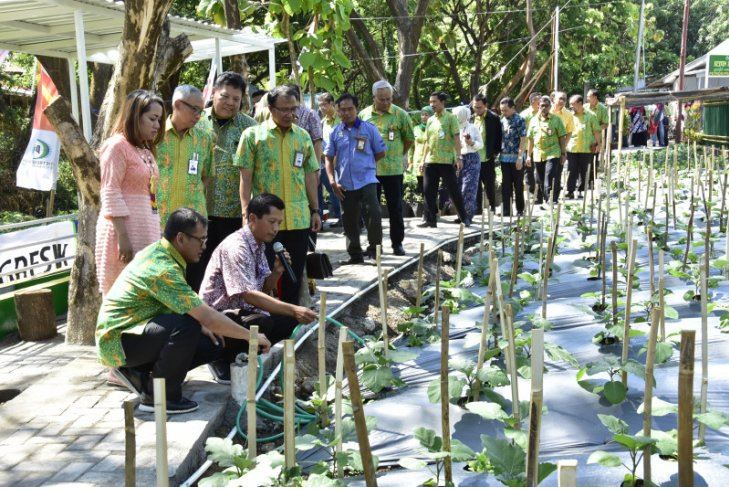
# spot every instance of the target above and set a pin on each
(613, 390)
(377, 373)
(432, 448)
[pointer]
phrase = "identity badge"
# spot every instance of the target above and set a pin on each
(391, 135)
(360, 144)
(441, 134)
(192, 164)
(299, 159)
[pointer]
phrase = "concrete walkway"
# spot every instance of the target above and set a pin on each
(67, 424)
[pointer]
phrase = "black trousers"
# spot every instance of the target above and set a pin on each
(550, 177)
(296, 242)
(353, 205)
(218, 230)
(488, 182)
(512, 182)
(434, 172)
(578, 165)
(592, 169)
(392, 185)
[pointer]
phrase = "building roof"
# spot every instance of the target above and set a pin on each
(47, 28)
(646, 98)
(696, 67)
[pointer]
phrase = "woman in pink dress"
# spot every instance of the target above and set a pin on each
(128, 220)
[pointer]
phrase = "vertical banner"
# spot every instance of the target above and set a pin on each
(39, 167)
(208, 90)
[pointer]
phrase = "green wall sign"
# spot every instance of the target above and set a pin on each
(719, 65)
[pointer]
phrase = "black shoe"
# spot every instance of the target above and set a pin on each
(398, 250)
(371, 254)
(133, 379)
(425, 224)
(336, 224)
(220, 371)
(457, 221)
(354, 260)
(570, 195)
(467, 223)
(183, 405)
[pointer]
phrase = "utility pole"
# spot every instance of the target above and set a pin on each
(556, 48)
(639, 46)
(682, 68)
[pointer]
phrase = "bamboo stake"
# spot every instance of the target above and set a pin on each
(289, 400)
(651, 265)
(385, 330)
(685, 410)
(483, 228)
(485, 330)
(567, 473)
(499, 301)
(602, 259)
(321, 349)
(650, 180)
(648, 391)
(160, 421)
(614, 294)
(511, 353)
(491, 229)
(338, 375)
(537, 359)
(628, 298)
(459, 255)
(419, 293)
(360, 422)
(723, 203)
(439, 263)
(382, 284)
(501, 231)
(690, 226)
(251, 392)
(514, 264)
(547, 266)
(704, 349)
(444, 398)
(661, 294)
(130, 445)
(535, 424)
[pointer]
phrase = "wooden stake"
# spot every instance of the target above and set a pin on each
(485, 331)
(438, 265)
(614, 294)
(514, 264)
(382, 284)
(567, 473)
(491, 229)
(651, 267)
(547, 266)
(515, 408)
(321, 348)
(661, 295)
(419, 292)
(289, 400)
(648, 391)
(535, 424)
(628, 298)
(704, 349)
(160, 421)
(483, 227)
(251, 392)
(130, 445)
(338, 375)
(444, 398)
(459, 255)
(537, 359)
(685, 410)
(360, 423)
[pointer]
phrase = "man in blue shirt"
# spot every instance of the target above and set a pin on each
(514, 131)
(352, 151)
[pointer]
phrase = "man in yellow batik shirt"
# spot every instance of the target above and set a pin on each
(185, 160)
(582, 146)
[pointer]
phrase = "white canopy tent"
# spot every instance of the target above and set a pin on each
(90, 30)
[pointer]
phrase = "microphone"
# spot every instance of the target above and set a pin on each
(279, 250)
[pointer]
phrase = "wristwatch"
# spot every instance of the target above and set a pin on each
(314, 210)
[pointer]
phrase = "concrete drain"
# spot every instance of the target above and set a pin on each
(8, 394)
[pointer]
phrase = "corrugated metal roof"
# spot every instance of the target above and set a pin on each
(46, 27)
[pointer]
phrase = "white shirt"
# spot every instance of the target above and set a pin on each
(476, 140)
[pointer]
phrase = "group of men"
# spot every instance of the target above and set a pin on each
(230, 187)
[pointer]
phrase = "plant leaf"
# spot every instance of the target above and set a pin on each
(487, 410)
(223, 451)
(613, 424)
(412, 463)
(715, 420)
(461, 452)
(604, 458)
(615, 392)
(659, 407)
(507, 459)
(428, 439)
(321, 481)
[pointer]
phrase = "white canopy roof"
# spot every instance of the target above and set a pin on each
(46, 27)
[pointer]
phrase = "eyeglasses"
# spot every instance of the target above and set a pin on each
(286, 110)
(202, 239)
(196, 110)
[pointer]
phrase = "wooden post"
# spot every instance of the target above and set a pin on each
(514, 264)
(547, 266)
(438, 265)
(251, 392)
(160, 421)
(485, 330)
(385, 329)
(685, 410)
(614, 291)
(567, 473)
(459, 255)
(381, 283)
(289, 400)
(511, 353)
(661, 295)
(338, 375)
(491, 229)
(130, 445)
(648, 391)
(483, 226)
(35, 314)
(704, 349)
(360, 422)
(419, 292)
(444, 398)
(537, 359)
(651, 267)
(628, 298)
(321, 348)
(535, 407)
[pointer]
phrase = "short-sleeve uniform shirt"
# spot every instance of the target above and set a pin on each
(583, 134)
(183, 162)
(546, 134)
(600, 112)
(395, 128)
(513, 130)
(152, 284)
(224, 189)
(280, 161)
(567, 119)
(416, 151)
(355, 149)
(441, 133)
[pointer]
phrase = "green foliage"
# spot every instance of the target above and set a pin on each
(431, 446)
(419, 331)
(506, 459)
(377, 371)
(613, 390)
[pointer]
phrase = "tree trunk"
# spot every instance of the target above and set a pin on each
(101, 75)
(530, 84)
(36, 315)
(512, 83)
(532, 52)
(453, 68)
(293, 56)
(238, 62)
(57, 69)
(84, 299)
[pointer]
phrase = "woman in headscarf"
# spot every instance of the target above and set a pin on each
(471, 142)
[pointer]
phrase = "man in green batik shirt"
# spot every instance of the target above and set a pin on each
(441, 159)
(600, 111)
(396, 130)
(531, 171)
(153, 325)
(227, 123)
(185, 160)
(547, 147)
(582, 145)
(416, 152)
